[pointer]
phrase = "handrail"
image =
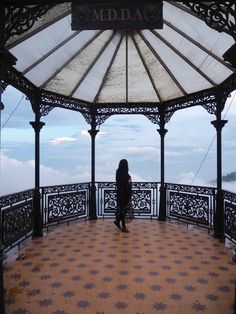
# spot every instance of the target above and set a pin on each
(63, 202)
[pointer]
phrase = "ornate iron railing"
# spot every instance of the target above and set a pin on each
(194, 204)
(230, 214)
(63, 202)
(16, 217)
(144, 199)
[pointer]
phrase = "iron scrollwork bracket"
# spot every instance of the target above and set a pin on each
(156, 118)
(19, 20)
(216, 14)
(45, 109)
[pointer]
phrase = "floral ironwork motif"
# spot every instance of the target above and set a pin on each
(64, 188)
(191, 207)
(230, 219)
(21, 19)
(110, 204)
(216, 14)
(11, 199)
(144, 198)
(230, 213)
(17, 80)
(66, 205)
(204, 190)
(192, 203)
(16, 222)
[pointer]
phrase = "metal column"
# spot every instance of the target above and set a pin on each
(162, 203)
(37, 215)
(92, 201)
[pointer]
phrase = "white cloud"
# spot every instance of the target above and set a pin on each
(189, 178)
(141, 150)
(18, 176)
(198, 150)
(62, 140)
(229, 186)
(84, 133)
(15, 175)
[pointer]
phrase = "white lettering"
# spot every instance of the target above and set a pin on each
(138, 15)
(98, 15)
(112, 15)
(125, 14)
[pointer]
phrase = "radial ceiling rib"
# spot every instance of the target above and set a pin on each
(69, 60)
(126, 68)
(108, 68)
(198, 45)
(50, 52)
(37, 30)
(92, 64)
(146, 67)
(163, 64)
(184, 58)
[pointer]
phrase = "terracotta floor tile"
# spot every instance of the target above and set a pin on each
(93, 268)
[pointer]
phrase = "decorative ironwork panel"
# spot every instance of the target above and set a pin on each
(230, 220)
(65, 188)
(12, 199)
(144, 198)
(217, 14)
(206, 99)
(132, 108)
(189, 206)
(16, 222)
(16, 79)
(229, 196)
(110, 203)
(55, 100)
(230, 214)
(204, 190)
(66, 205)
(21, 19)
(142, 202)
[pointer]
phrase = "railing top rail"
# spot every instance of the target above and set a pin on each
(229, 196)
(191, 188)
(65, 187)
(9, 199)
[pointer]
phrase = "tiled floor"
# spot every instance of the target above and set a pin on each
(93, 268)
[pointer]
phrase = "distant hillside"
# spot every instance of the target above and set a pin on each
(229, 177)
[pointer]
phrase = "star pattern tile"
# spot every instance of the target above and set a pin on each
(92, 268)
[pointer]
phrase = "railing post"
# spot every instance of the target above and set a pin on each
(219, 213)
(37, 215)
(2, 298)
(92, 197)
(162, 202)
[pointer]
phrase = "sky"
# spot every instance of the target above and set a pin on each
(65, 146)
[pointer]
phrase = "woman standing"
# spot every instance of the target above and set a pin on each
(124, 191)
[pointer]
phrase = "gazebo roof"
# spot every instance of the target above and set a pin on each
(120, 67)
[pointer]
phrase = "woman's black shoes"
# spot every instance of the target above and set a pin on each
(124, 229)
(117, 224)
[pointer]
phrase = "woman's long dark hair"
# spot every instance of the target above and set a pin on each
(123, 166)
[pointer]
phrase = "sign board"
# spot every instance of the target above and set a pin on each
(116, 14)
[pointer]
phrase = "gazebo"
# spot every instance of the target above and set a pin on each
(104, 58)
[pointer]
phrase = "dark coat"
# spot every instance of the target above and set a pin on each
(124, 188)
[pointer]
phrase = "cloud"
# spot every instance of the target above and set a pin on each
(229, 186)
(18, 176)
(62, 140)
(141, 150)
(189, 178)
(84, 133)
